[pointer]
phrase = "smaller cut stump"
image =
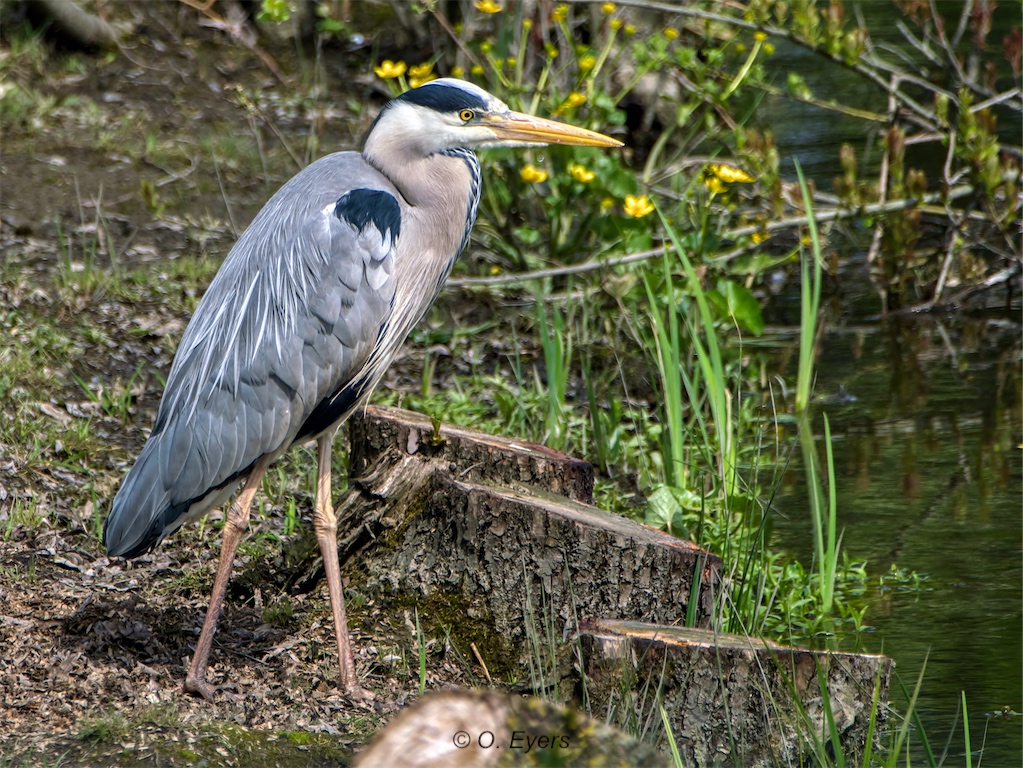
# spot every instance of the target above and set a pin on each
(734, 700)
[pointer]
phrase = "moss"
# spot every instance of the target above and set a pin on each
(450, 613)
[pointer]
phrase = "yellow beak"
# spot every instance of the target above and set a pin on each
(526, 129)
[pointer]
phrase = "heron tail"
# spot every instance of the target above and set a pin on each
(142, 511)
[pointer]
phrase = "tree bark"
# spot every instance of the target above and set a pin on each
(471, 530)
(732, 700)
(493, 541)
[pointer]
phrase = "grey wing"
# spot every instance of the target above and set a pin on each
(277, 350)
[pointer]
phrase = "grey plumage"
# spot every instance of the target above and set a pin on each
(290, 320)
(304, 316)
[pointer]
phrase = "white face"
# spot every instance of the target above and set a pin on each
(434, 131)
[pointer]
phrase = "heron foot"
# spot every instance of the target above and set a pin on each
(357, 693)
(197, 686)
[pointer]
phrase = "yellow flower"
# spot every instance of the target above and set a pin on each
(552, 50)
(415, 82)
(586, 63)
(638, 207)
(457, 71)
(760, 236)
(575, 99)
(616, 24)
(559, 14)
(760, 36)
(607, 204)
(580, 173)
(715, 185)
(488, 6)
(740, 47)
(532, 174)
(485, 47)
(608, 8)
(671, 33)
(388, 70)
(512, 61)
(769, 49)
(527, 24)
(630, 29)
(476, 70)
(729, 173)
(420, 70)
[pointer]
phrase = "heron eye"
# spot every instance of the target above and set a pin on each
(466, 115)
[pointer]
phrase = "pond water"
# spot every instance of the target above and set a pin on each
(928, 460)
(928, 477)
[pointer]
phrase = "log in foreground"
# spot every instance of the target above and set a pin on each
(493, 540)
(733, 700)
(459, 729)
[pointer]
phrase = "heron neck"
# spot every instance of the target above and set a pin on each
(423, 180)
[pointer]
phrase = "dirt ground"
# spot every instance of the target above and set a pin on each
(124, 174)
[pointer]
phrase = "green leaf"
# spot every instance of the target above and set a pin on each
(527, 235)
(277, 11)
(687, 499)
(331, 26)
(737, 302)
(664, 512)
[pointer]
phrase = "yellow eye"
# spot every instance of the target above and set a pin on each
(466, 115)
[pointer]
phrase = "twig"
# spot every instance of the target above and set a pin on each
(924, 116)
(993, 281)
(539, 274)
(947, 264)
(171, 175)
(439, 17)
(917, 43)
(964, 18)
(1005, 97)
(837, 214)
(223, 194)
(479, 658)
(882, 185)
(950, 54)
(235, 29)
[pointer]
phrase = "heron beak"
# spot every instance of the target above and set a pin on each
(527, 129)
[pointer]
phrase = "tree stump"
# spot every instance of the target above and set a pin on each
(494, 539)
(734, 700)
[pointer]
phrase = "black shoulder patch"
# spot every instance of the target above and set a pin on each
(362, 207)
(443, 98)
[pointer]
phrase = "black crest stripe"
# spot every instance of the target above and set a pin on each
(443, 98)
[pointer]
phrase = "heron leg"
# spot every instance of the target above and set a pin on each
(325, 523)
(234, 527)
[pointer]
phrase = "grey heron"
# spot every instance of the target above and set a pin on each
(303, 318)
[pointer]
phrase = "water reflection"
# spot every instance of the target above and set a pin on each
(929, 477)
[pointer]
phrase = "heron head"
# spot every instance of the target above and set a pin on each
(448, 114)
